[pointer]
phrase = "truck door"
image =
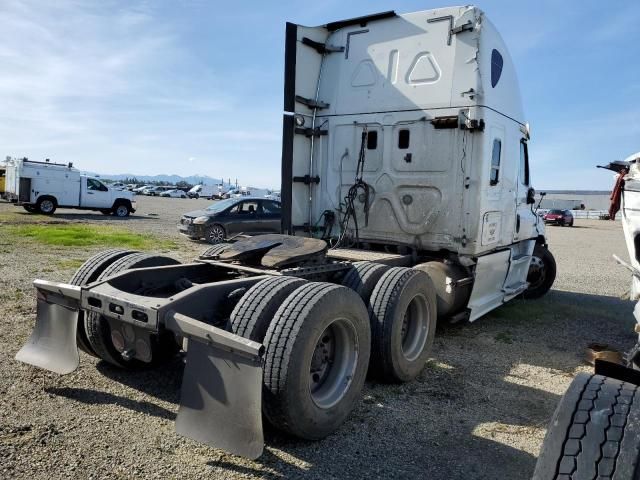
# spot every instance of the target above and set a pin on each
(525, 226)
(95, 194)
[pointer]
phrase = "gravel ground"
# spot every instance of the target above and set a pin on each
(479, 409)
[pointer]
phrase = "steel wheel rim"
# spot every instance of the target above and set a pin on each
(46, 206)
(216, 234)
(415, 328)
(537, 272)
(121, 211)
(333, 363)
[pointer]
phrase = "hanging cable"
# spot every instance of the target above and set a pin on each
(359, 186)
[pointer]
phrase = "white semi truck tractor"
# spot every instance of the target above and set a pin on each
(407, 200)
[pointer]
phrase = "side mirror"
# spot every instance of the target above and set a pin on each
(531, 196)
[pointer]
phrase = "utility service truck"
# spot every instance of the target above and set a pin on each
(43, 187)
(407, 200)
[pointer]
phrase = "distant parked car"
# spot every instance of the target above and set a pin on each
(226, 218)
(118, 186)
(275, 195)
(141, 189)
(174, 194)
(156, 191)
(559, 217)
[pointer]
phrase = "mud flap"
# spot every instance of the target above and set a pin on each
(220, 401)
(52, 344)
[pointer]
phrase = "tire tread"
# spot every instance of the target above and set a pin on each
(593, 440)
(259, 303)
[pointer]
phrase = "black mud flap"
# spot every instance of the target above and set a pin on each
(220, 401)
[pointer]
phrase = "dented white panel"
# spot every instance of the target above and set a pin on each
(399, 74)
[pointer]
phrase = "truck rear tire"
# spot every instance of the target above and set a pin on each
(594, 432)
(215, 250)
(403, 320)
(542, 273)
(98, 328)
(87, 273)
(363, 277)
(253, 313)
(46, 205)
(317, 351)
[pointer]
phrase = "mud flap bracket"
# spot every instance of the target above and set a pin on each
(221, 397)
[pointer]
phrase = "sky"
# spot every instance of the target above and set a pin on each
(195, 86)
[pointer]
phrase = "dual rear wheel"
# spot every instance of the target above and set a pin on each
(94, 333)
(322, 339)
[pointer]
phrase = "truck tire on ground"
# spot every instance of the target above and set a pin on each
(215, 250)
(594, 432)
(253, 313)
(215, 234)
(403, 320)
(46, 205)
(451, 299)
(363, 277)
(317, 352)
(542, 273)
(121, 209)
(87, 273)
(98, 329)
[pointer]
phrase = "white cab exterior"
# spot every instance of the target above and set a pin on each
(448, 170)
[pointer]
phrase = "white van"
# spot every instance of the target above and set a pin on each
(206, 191)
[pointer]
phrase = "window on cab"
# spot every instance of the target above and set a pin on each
(372, 140)
(403, 139)
(95, 185)
(524, 162)
(495, 162)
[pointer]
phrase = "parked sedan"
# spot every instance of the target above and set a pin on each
(559, 217)
(230, 217)
(174, 194)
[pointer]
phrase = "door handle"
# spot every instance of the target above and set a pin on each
(89, 193)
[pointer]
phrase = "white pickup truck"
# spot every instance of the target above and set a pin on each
(44, 186)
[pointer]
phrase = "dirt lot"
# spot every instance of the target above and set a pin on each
(478, 410)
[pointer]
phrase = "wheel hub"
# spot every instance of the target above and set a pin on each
(333, 363)
(323, 357)
(415, 328)
(537, 272)
(217, 235)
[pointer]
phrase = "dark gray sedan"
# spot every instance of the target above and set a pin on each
(226, 218)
